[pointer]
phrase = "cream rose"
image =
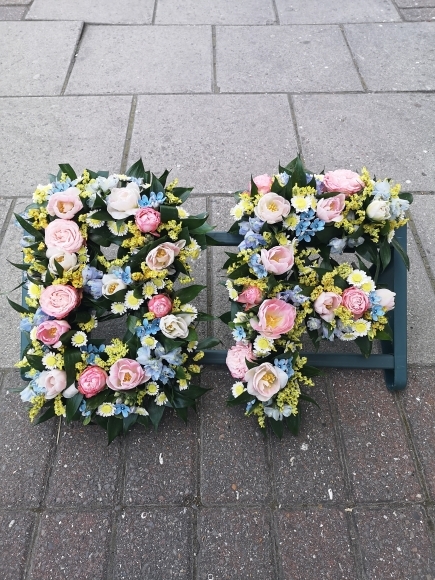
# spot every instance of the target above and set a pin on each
(65, 204)
(54, 382)
(123, 202)
(264, 381)
(112, 284)
(66, 260)
(175, 326)
(387, 298)
(272, 208)
(164, 255)
(378, 210)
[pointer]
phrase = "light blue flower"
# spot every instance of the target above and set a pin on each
(283, 178)
(173, 357)
(40, 316)
(58, 186)
(352, 243)
(27, 394)
(314, 324)
(94, 288)
(148, 328)
(337, 245)
(25, 325)
(239, 333)
(124, 275)
(374, 298)
(91, 273)
(285, 364)
(83, 410)
(250, 405)
(255, 224)
(257, 266)
(294, 295)
(377, 312)
(121, 409)
(327, 333)
(154, 200)
(166, 374)
(382, 190)
(252, 241)
(398, 207)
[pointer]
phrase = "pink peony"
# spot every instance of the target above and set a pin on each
(147, 220)
(275, 317)
(278, 260)
(330, 209)
(160, 305)
(387, 298)
(92, 380)
(236, 359)
(251, 296)
(326, 304)
(65, 204)
(265, 380)
(59, 300)
(342, 181)
(63, 235)
(272, 208)
(355, 300)
(54, 382)
(49, 332)
(126, 374)
(164, 255)
(263, 183)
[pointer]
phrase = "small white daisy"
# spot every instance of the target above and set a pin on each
(149, 289)
(106, 410)
(361, 327)
(182, 213)
(93, 223)
(140, 411)
(118, 308)
(237, 389)
(262, 345)
(49, 361)
(116, 230)
(79, 339)
(302, 203)
(161, 399)
(149, 341)
(152, 389)
(131, 301)
(358, 278)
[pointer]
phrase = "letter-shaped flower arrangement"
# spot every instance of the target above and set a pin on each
(284, 280)
(71, 286)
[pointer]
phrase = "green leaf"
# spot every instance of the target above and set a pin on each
(305, 397)
(114, 428)
(325, 236)
(182, 193)
(226, 317)
(408, 196)
(164, 176)
(24, 267)
(208, 343)
(143, 420)
(192, 336)
(299, 174)
(204, 317)
(364, 344)
(385, 253)
(128, 422)
(168, 213)
(293, 422)
(239, 272)
(131, 323)
(35, 362)
(182, 413)
(310, 371)
(66, 168)
(277, 427)
(71, 357)
(155, 413)
(401, 252)
(137, 169)
(27, 226)
(48, 414)
(103, 216)
(72, 405)
(385, 334)
(240, 400)
(187, 294)
(82, 317)
(17, 307)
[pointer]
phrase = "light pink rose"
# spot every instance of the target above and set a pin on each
(342, 181)
(147, 220)
(236, 359)
(264, 381)
(355, 300)
(164, 255)
(91, 381)
(65, 204)
(59, 300)
(387, 298)
(263, 183)
(330, 209)
(275, 317)
(123, 201)
(49, 332)
(250, 296)
(326, 304)
(53, 381)
(272, 208)
(278, 260)
(126, 374)
(160, 305)
(64, 235)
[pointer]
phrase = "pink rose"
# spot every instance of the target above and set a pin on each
(49, 332)
(54, 382)
(147, 220)
(65, 204)
(265, 380)
(164, 255)
(326, 304)
(275, 317)
(64, 235)
(330, 209)
(91, 381)
(278, 260)
(126, 374)
(272, 208)
(122, 202)
(59, 300)
(342, 181)
(250, 297)
(355, 300)
(387, 298)
(263, 183)
(236, 359)
(160, 305)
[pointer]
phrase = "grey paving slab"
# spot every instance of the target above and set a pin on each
(233, 462)
(418, 14)
(12, 12)
(314, 544)
(184, 66)
(5, 204)
(14, 2)
(414, 3)
(394, 57)
(422, 211)
(395, 543)
(256, 59)
(101, 11)
(154, 543)
(227, 536)
(24, 450)
(214, 12)
(380, 463)
(39, 133)
(70, 544)
(335, 11)
(392, 135)
(15, 534)
(210, 140)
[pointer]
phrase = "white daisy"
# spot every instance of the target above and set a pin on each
(131, 301)
(358, 278)
(161, 399)
(79, 339)
(149, 289)
(237, 389)
(106, 410)
(121, 230)
(49, 361)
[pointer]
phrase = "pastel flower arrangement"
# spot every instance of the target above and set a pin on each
(71, 286)
(284, 281)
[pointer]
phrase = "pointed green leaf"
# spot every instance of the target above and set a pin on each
(277, 427)
(187, 294)
(27, 226)
(72, 405)
(208, 343)
(71, 357)
(401, 252)
(137, 169)
(385, 253)
(17, 307)
(66, 168)
(155, 413)
(114, 428)
(48, 414)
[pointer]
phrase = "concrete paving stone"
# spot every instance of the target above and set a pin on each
(414, 3)
(161, 466)
(214, 12)
(394, 57)
(227, 536)
(314, 544)
(241, 473)
(40, 133)
(70, 543)
(418, 401)
(154, 544)
(5, 204)
(392, 135)
(25, 448)
(36, 56)
(210, 140)
(12, 12)
(15, 532)
(422, 213)
(101, 11)
(255, 59)
(335, 11)
(184, 66)
(307, 467)
(395, 543)
(14, 2)
(85, 468)
(418, 14)
(380, 463)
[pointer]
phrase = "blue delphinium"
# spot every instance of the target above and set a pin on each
(148, 328)
(285, 364)
(257, 266)
(308, 226)
(154, 200)
(252, 241)
(294, 295)
(337, 245)
(255, 224)
(121, 409)
(239, 333)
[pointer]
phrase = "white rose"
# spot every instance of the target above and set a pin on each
(272, 208)
(174, 326)
(67, 260)
(112, 284)
(387, 298)
(123, 202)
(378, 210)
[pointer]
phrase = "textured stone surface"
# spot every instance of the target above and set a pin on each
(12, 12)
(15, 531)
(422, 210)
(256, 59)
(14, 2)
(319, 12)
(154, 544)
(5, 205)
(418, 14)
(214, 12)
(184, 65)
(101, 11)
(414, 3)
(395, 57)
